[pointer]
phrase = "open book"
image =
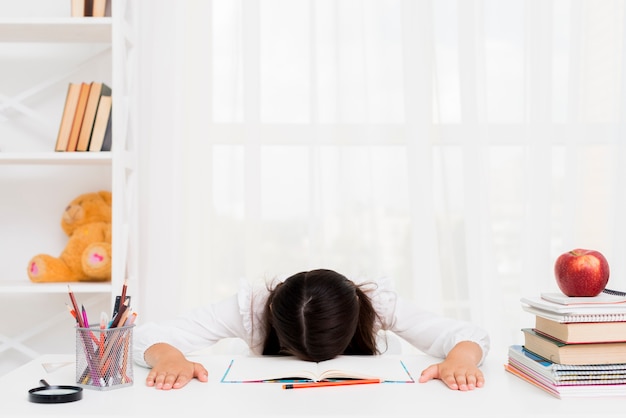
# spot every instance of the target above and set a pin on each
(289, 368)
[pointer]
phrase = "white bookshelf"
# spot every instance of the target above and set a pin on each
(40, 56)
(61, 158)
(21, 286)
(56, 29)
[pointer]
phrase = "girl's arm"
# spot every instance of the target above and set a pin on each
(459, 371)
(462, 345)
(163, 346)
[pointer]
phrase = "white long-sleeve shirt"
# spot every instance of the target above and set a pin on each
(241, 316)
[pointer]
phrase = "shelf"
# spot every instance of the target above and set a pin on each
(68, 30)
(56, 158)
(41, 55)
(24, 286)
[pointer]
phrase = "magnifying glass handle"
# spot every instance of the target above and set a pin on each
(43, 382)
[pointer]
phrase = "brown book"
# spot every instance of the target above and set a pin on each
(78, 116)
(582, 332)
(88, 7)
(67, 118)
(95, 92)
(101, 125)
(575, 354)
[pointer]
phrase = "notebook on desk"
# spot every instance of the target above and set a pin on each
(270, 369)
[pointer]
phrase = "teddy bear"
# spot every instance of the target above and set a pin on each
(87, 254)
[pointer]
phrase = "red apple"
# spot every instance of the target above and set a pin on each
(581, 272)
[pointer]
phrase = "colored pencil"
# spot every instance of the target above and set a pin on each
(331, 383)
(124, 288)
(75, 305)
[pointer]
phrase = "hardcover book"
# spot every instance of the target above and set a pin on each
(67, 118)
(96, 91)
(582, 332)
(576, 354)
(78, 116)
(101, 134)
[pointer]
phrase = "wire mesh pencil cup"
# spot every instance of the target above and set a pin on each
(104, 357)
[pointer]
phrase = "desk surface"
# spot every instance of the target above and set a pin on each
(502, 395)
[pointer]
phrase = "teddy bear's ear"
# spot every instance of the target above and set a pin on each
(106, 196)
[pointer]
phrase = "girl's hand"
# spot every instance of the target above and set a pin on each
(170, 368)
(459, 371)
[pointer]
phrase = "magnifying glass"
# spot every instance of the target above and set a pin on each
(55, 394)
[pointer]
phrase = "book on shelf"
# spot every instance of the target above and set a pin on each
(582, 332)
(101, 134)
(561, 391)
(264, 369)
(576, 354)
(90, 8)
(99, 8)
(78, 8)
(96, 91)
(531, 363)
(67, 117)
(78, 116)
(108, 135)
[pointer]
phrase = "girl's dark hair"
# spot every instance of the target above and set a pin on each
(318, 315)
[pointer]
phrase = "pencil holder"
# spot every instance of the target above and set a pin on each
(104, 357)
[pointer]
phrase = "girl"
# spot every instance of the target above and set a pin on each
(315, 316)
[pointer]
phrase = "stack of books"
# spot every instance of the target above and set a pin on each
(577, 347)
(86, 119)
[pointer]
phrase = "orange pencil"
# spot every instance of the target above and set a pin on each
(71, 311)
(333, 383)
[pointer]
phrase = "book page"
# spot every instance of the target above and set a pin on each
(264, 368)
(272, 368)
(389, 369)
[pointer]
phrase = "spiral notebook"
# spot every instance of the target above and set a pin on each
(576, 316)
(601, 306)
(568, 372)
(606, 308)
(604, 297)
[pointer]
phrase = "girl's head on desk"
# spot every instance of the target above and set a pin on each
(318, 315)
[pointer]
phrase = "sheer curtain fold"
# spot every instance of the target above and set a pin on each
(475, 157)
(425, 244)
(456, 147)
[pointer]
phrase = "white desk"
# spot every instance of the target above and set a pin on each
(503, 395)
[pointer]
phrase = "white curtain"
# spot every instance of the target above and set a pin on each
(456, 147)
